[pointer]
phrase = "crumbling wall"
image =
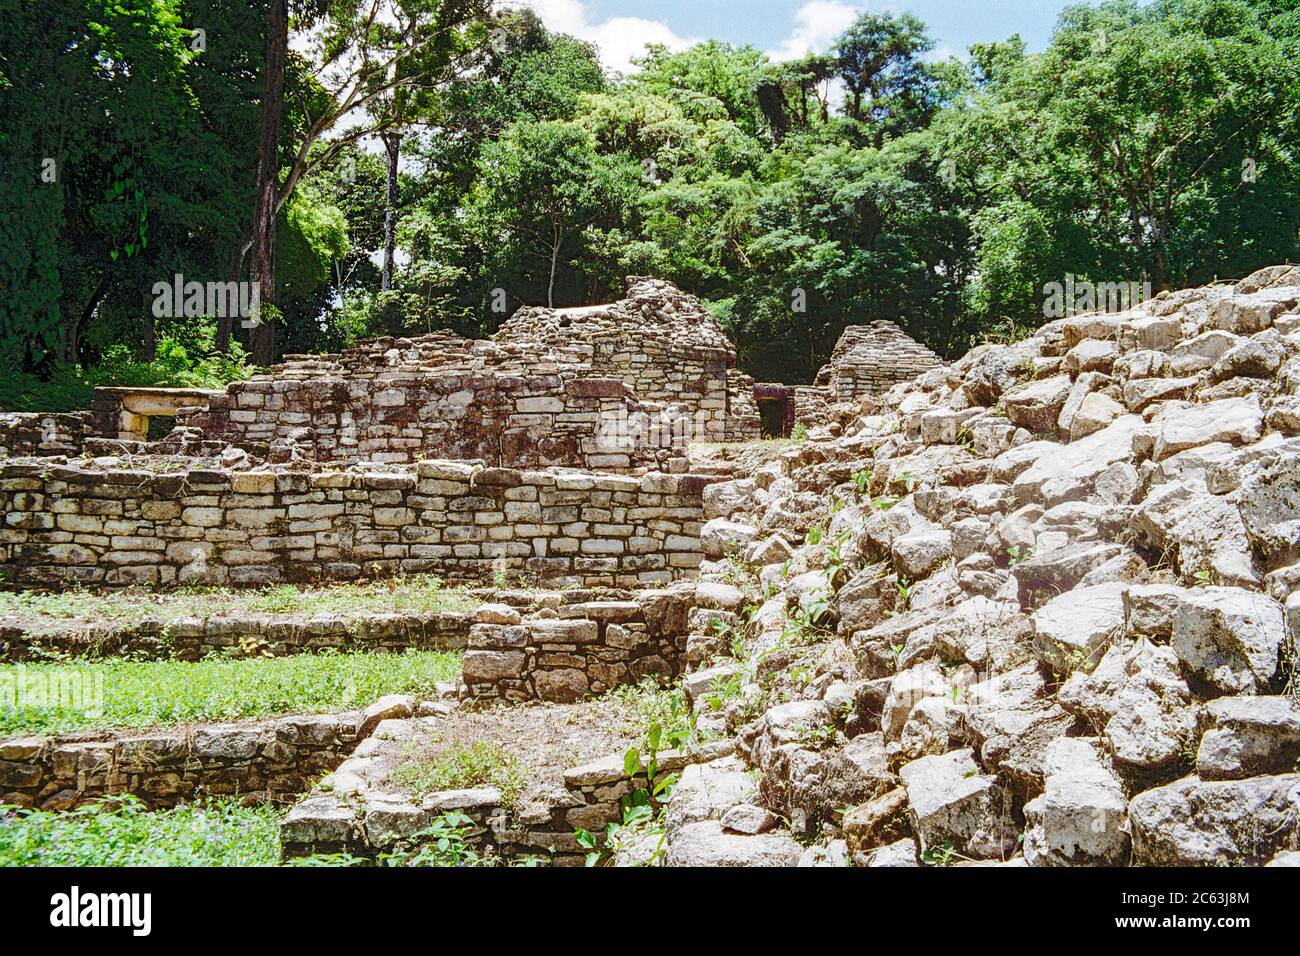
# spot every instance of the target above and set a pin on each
(43, 433)
(271, 760)
(743, 420)
(605, 644)
(399, 400)
(123, 412)
(869, 359)
(107, 528)
(660, 341)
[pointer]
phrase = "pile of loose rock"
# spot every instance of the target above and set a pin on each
(1044, 610)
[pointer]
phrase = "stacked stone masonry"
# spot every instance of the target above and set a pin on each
(662, 343)
(62, 524)
(338, 818)
(596, 646)
(617, 387)
(43, 433)
(194, 638)
(270, 760)
(869, 359)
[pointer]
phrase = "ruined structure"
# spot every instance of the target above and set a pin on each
(614, 387)
(662, 344)
(868, 360)
(1040, 606)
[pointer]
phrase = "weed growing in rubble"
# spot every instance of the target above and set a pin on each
(1017, 554)
(945, 855)
(461, 766)
(671, 727)
(443, 843)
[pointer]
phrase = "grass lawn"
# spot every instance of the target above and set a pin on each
(123, 833)
(124, 693)
(415, 593)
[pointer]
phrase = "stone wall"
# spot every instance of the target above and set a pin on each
(194, 638)
(43, 433)
(570, 387)
(597, 646)
(354, 819)
(869, 359)
(659, 340)
(743, 420)
(399, 400)
(269, 760)
(124, 413)
(64, 524)
(812, 404)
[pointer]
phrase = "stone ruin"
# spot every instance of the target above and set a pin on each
(435, 454)
(1038, 607)
(554, 452)
(868, 360)
(615, 387)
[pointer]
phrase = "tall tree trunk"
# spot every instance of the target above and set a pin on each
(225, 323)
(393, 144)
(555, 255)
(262, 336)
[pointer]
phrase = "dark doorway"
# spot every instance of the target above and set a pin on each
(775, 409)
(160, 426)
(772, 413)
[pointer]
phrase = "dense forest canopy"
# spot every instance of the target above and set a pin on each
(438, 163)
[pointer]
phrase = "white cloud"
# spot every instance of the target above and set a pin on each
(817, 24)
(619, 39)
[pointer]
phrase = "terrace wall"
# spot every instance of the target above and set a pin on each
(44, 433)
(598, 646)
(62, 524)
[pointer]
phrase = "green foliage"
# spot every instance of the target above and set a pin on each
(670, 726)
(460, 766)
(1149, 141)
(122, 832)
(159, 693)
(443, 843)
(419, 593)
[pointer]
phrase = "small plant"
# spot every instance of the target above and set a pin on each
(835, 558)
(643, 808)
(442, 843)
(799, 432)
(1017, 554)
(821, 737)
(460, 766)
(904, 587)
(945, 855)
(908, 480)
(862, 481)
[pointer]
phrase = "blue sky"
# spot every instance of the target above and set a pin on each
(787, 28)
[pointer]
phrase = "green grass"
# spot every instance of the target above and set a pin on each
(123, 833)
(460, 766)
(158, 693)
(417, 593)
